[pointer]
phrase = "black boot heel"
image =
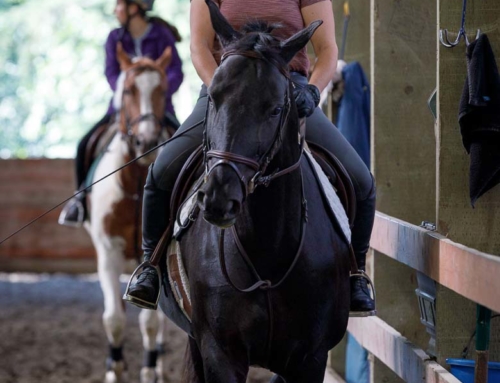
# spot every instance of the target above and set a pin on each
(134, 293)
(362, 290)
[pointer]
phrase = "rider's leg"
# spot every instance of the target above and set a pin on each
(156, 203)
(74, 213)
(321, 131)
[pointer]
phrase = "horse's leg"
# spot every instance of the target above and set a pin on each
(161, 348)
(193, 367)
(220, 367)
(148, 321)
(110, 266)
(310, 370)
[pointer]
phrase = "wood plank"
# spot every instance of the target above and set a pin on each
(332, 377)
(468, 272)
(410, 363)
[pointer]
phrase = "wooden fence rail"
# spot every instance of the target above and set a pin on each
(468, 272)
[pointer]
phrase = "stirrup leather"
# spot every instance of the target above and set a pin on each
(354, 314)
(141, 302)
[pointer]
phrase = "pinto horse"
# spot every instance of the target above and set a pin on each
(268, 269)
(115, 206)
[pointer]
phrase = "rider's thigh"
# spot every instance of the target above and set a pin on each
(321, 131)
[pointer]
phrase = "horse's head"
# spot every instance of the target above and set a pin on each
(142, 101)
(250, 114)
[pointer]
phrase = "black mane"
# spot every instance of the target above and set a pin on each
(257, 37)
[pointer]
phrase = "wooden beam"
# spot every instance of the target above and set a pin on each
(410, 363)
(466, 271)
(332, 377)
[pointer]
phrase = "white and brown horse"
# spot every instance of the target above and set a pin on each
(115, 206)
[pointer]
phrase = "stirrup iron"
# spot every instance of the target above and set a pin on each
(362, 314)
(141, 302)
(62, 220)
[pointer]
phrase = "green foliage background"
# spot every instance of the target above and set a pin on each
(52, 85)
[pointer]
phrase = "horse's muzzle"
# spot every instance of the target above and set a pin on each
(218, 211)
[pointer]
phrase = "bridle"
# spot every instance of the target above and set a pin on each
(127, 129)
(259, 167)
(128, 135)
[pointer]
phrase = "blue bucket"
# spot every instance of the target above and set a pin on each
(463, 370)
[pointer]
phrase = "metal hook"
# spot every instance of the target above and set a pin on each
(443, 33)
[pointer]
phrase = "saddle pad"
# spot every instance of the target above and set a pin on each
(186, 209)
(102, 146)
(332, 197)
(178, 279)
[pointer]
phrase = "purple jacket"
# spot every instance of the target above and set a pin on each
(152, 46)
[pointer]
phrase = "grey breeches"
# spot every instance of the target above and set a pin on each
(320, 130)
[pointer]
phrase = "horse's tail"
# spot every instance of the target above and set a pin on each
(193, 365)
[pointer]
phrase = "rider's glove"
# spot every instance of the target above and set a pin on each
(306, 99)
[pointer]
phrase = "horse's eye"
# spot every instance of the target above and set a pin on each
(277, 111)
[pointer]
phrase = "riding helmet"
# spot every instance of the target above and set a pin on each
(147, 5)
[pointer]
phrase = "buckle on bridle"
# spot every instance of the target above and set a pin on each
(253, 182)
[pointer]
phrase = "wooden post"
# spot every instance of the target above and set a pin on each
(482, 344)
(403, 76)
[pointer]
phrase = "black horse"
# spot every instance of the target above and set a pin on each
(268, 270)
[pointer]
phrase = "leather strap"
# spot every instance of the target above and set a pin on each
(263, 284)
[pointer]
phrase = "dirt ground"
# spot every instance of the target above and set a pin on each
(51, 332)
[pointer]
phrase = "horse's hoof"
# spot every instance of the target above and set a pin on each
(148, 375)
(117, 373)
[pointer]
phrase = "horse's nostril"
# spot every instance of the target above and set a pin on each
(235, 207)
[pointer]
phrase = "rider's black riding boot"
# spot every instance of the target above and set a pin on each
(74, 212)
(145, 290)
(362, 304)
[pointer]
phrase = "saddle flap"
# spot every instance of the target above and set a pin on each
(99, 141)
(331, 198)
(177, 277)
(338, 177)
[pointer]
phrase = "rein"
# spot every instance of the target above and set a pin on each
(230, 159)
(263, 284)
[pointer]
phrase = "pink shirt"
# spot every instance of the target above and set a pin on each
(286, 12)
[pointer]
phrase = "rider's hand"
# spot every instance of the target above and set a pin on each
(306, 99)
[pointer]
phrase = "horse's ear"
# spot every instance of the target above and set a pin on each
(165, 59)
(122, 57)
(222, 28)
(298, 41)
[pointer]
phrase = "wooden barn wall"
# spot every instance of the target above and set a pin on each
(28, 188)
(357, 47)
(403, 76)
(477, 227)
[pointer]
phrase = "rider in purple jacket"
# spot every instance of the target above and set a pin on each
(151, 44)
(140, 35)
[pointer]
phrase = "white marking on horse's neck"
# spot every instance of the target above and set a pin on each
(117, 97)
(146, 83)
